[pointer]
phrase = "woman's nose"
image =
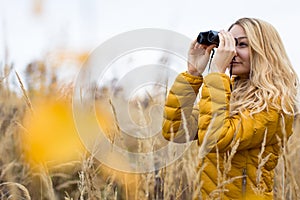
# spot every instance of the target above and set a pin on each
(234, 57)
(235, 52)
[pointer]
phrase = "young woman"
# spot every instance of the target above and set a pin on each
(242, 119)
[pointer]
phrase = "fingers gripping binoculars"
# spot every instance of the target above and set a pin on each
(210, 37)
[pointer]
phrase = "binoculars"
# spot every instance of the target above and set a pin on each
(210, 37)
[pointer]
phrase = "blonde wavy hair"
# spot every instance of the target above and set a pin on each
(272, 83)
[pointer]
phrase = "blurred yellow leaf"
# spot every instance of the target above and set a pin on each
(52, 136)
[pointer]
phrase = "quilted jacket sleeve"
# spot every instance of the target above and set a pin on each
(217, 127)
(180, 112)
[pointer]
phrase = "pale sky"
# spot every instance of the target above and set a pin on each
(84, 24)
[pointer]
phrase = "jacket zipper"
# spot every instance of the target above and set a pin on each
(244, 183)
(244, 179)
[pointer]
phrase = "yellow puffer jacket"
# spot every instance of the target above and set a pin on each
(237, 138)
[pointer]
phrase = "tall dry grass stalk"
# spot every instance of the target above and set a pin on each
(259, 189)
(19, 191)
(287, 171)
(25, 96)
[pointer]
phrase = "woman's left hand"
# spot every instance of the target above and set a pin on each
(225, 52)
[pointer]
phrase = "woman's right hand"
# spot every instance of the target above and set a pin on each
(198, 57)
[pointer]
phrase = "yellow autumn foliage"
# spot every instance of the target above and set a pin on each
(52, 136)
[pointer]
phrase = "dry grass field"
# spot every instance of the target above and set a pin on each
(41, 156)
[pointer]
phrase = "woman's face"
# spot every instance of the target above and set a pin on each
(241, 61)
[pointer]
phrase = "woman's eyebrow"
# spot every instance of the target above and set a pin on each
(242, 37)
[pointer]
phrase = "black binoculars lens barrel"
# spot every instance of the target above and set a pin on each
(208, 38)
